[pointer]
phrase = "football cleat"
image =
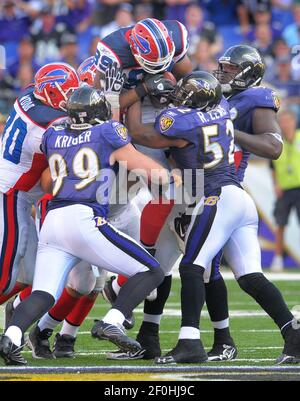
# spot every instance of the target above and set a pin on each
(110, 296)
(125, 355)
(222, 352)
(186, 351)
(150, 350)
(10, 352)
(114, 334)
(64, 346)
(9, 310)
(291, 350)
(38, 342)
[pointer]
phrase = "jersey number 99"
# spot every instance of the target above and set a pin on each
(85, 166)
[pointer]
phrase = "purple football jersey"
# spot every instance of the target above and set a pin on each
(79, 162)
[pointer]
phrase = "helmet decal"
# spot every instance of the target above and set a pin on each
(142, 44)
(53, 77)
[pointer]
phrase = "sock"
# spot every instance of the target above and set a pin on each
(192, 294)
(47, 322)
(80, 310)
(152, 319)
(121, 280)
(190, 333)
(137, 288)
(69, 329)
(15, 334)
(153, 217)
(153, 310)
(17, 288)
(63, 306)
(217, 305)
(25, 293)
(114, 316)
(32, 309)
(268, 297)
(17, 301)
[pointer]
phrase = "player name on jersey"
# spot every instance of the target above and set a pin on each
(213, 115)
(65, 141)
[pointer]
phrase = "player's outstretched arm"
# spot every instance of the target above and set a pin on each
(145, 134)
(132, 159)
(266, 141)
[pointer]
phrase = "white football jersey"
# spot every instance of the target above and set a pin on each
(21, 159)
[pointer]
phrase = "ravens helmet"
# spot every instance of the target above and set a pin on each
(240, 67)
(87, 105)
(199, 90)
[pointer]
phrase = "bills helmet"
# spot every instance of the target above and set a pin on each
(54, 83)
(87, 71)
(240, 67)
(199, 90)
(152, 45)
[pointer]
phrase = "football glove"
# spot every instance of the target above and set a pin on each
(114, 79)
(155, 85)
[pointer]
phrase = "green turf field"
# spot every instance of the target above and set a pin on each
(256, 336)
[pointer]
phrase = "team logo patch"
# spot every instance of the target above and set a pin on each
(276, 101)
(122, 132)
(165, 123)
(142, 44)
(52, 77)
(211, 200)
(100, 221)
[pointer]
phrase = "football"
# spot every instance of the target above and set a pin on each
(168, 75)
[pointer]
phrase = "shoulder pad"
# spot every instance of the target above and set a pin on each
(263, 97)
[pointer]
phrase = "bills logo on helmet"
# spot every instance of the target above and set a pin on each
(53, 77)
(142, 44)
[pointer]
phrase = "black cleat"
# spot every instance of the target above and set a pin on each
(110, 296)
(116, 335)
(10, 352)
(291, 350)
(9, 310)
(186, 351)
(64, 346)
(38, 342)
(125, 355)
(222, 352)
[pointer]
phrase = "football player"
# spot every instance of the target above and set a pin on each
(22, 163)
(88, 147)
(208, 131)
(253, 110)
(149, 47)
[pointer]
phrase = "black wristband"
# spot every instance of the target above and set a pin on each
(140, 91)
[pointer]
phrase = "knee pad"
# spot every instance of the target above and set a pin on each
(82, 280)
(253, 283)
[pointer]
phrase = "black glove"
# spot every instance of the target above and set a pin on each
(114, 79)
(154, 85)
(157, 84)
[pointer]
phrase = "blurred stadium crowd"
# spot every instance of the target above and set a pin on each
(35, 32)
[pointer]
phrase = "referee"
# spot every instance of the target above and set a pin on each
(286, 175)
